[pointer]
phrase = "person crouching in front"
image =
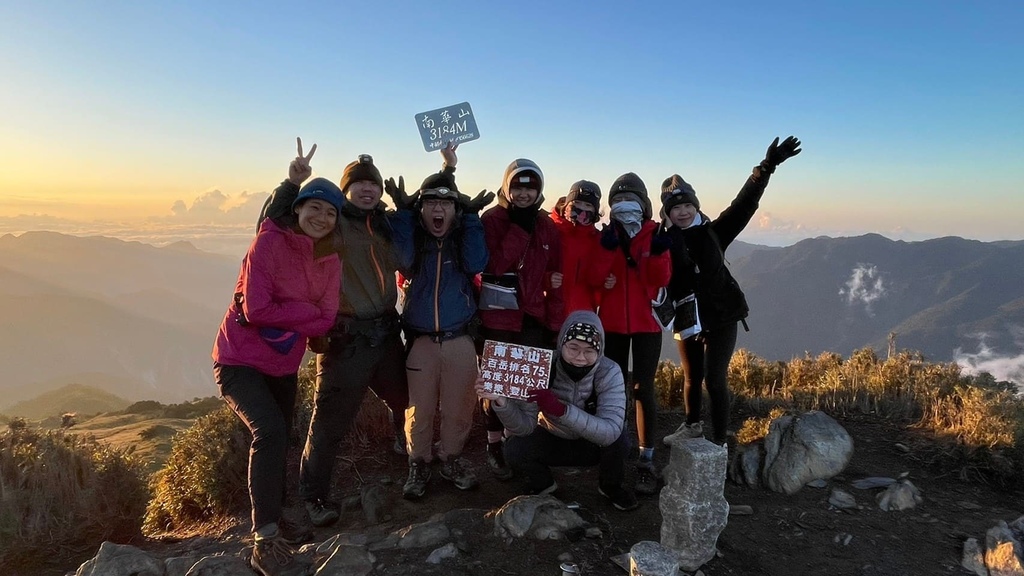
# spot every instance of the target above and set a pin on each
(578, 421)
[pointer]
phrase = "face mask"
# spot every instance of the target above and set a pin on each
(582, 216)
(575, 373)
(630, 215)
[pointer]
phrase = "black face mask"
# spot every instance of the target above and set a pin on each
(575, 373)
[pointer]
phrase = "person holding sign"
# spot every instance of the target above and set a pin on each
(698, 269)
(287, 291)
(579, 420)
(364, 347)
(440, 244)
(584, 270)
(525, 252)
(641, 267)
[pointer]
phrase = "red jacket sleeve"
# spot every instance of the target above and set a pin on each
(658, 270)
(554, 300)
(328, 304)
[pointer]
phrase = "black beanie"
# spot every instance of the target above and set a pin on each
(630, 182)
(585, 191)
(676, 191)
(362, 169)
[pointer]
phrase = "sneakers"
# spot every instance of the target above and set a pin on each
(621, 498)
(646, 480)
(496, 461)
(321, 512)
(456, 470)
(695, 430)
(274, 557)
(416, 485)
(294, 533)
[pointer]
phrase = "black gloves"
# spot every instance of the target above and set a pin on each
(779, 153)
(609, 237)
(660, 242)
(525, 218)
(477, 204)
(402, 200)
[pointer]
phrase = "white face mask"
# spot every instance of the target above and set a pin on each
(630, 215)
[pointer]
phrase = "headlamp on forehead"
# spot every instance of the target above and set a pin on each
(441, 192)
(365, 159)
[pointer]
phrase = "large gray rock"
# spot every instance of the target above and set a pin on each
(693, 507)
(449, 550)
(347, 560)
(220, 565)
(179, 565)
(429, 533)
(799, 449)
(973, 559)
(540, 517)
(121, 560)
(652, 559)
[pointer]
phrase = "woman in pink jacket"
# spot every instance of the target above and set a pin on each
(287, 291)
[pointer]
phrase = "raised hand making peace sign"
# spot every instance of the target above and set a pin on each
(299, 170)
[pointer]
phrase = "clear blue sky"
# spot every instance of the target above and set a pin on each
(912, 116)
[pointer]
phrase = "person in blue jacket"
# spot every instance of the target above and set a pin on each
(440, 245)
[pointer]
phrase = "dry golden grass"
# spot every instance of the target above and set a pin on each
(972, 422)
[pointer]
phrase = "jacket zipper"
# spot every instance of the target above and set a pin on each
(437, 290)
(373, 255)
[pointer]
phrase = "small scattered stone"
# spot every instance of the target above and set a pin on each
(873, 482)
(842, 499)
(902, 447)
(593, 532)
(817, 483)
(565, 557)
(968, 505)
(449, 550)
(740, 510)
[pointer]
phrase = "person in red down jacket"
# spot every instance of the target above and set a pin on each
(585, 266)
(641, 266)
(521, 239)
(287, 291)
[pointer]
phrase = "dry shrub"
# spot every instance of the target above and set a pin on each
(205, 478)
(60, 492)
(756, 428)
(973, 422)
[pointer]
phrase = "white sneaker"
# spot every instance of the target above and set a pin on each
(685, 431)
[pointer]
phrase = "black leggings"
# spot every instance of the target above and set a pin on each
(646, 353)
(705, 358)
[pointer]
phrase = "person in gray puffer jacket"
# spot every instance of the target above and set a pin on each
(579, 420)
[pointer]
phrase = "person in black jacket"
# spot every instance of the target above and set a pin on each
(698, 268)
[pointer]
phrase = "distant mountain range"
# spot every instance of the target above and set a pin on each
(842, 294)
(130, 318)
(139, 321)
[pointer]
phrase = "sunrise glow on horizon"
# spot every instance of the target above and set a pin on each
(179, 118)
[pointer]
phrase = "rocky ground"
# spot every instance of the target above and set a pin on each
(784, 535)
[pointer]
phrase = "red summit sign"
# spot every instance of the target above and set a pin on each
(512, 370)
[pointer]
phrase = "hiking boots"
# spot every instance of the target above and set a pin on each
(620, 497)
(695, 430)
(399, 446)
(496, 461)
(274, 557)
(646, 479)
(457, 471)
(321, 512)
(416, 485)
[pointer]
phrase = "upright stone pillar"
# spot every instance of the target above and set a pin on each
(693, 507)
